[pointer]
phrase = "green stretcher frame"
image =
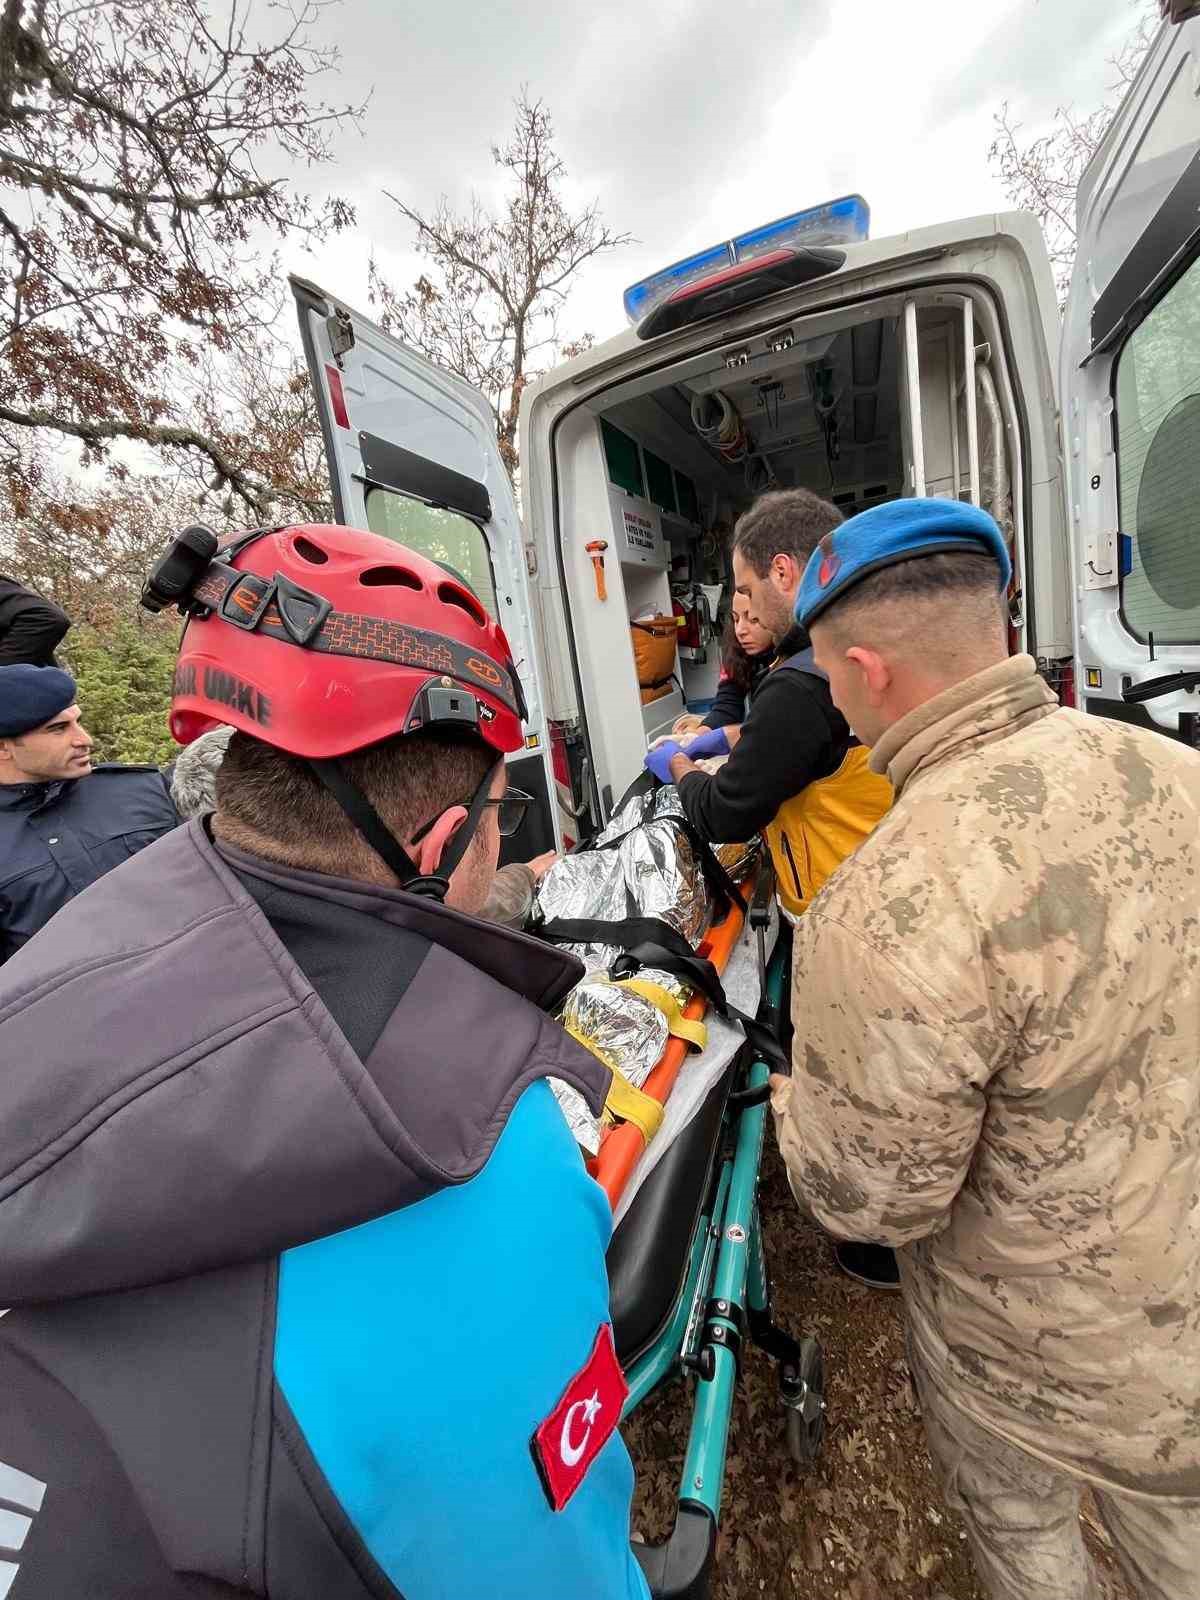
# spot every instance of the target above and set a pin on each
(725, 1300)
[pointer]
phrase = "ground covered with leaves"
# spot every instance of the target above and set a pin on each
(868, 1519)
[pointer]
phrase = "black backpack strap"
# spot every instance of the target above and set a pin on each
(725, 892)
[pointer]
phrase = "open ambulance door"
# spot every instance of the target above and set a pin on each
(1130, 385)
(413, 456)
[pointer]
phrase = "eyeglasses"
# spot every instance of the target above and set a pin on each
(511, 808)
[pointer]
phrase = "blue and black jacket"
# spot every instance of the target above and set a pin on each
(301, 1250)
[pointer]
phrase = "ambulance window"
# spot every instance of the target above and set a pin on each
(1158, 461)
(441, 535)
(689, 503)
(660, 483)
(623, 459)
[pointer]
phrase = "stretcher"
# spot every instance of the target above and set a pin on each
(689, 1285)
(688, 1276)
(623, 1143)
(656, 916)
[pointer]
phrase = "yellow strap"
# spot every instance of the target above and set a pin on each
(663, 1000)
(623, 1100)
(632, 1105)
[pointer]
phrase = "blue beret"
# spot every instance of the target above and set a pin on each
(30, 696)
(897, 531)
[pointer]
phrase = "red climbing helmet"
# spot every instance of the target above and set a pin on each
(322, 640)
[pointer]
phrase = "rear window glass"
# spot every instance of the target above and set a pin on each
(622, 458)
(1158, 463)
(689, 504)
(444, 536)
(660, 482)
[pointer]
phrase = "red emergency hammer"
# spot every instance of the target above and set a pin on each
(596, 548)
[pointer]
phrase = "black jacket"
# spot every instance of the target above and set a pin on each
(793, 735)
(30, 627)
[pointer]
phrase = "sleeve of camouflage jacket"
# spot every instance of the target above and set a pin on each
(510, 899)
(879, 1120)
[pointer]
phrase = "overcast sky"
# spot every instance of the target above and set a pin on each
(691, 120)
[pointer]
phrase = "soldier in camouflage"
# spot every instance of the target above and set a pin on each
(997, 1060)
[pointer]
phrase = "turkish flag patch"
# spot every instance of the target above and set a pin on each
(581, 1424)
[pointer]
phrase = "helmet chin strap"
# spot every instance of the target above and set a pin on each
(383, 841)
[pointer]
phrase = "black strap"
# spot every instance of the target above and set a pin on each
(470, 825)
(643, 784)
(367, 820)
(384, 842)
(692, 970)
(650, 942)
(627, 933)
(764, 894)
(724, 890)
(718, 880)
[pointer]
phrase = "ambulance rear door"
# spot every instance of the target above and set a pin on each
(413, 456)
(1130, 384)
(980, 284)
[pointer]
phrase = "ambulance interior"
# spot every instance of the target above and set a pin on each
(903, 396)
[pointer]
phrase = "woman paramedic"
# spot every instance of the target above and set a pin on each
(747, 651)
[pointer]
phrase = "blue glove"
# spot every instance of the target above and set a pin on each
(658, 760)
(712, 742)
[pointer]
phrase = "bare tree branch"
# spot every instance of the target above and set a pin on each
(498, 283)
(1042, 175)
(141, 147)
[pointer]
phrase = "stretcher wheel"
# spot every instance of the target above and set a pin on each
(802, 1387)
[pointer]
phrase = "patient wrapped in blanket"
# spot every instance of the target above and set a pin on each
(642, 865)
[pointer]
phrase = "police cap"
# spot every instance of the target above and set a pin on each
(30, 696)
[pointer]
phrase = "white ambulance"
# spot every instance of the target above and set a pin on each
(804, 353)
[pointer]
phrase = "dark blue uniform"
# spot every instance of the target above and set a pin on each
(56, 838)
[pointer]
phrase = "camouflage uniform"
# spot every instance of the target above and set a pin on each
(1023, 1515)
(510, 899)
(997, 1011)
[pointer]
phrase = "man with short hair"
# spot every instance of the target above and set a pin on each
(63, 822)
(194, 792)
(997, 1012)
(796, 772)
(309, 1277)
(30, 626)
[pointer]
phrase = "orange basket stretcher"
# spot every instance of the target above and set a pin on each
(622, 1144)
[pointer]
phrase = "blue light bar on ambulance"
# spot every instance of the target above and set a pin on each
(844, 221)
(642, 298)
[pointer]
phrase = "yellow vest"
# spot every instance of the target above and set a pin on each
(816, 830)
